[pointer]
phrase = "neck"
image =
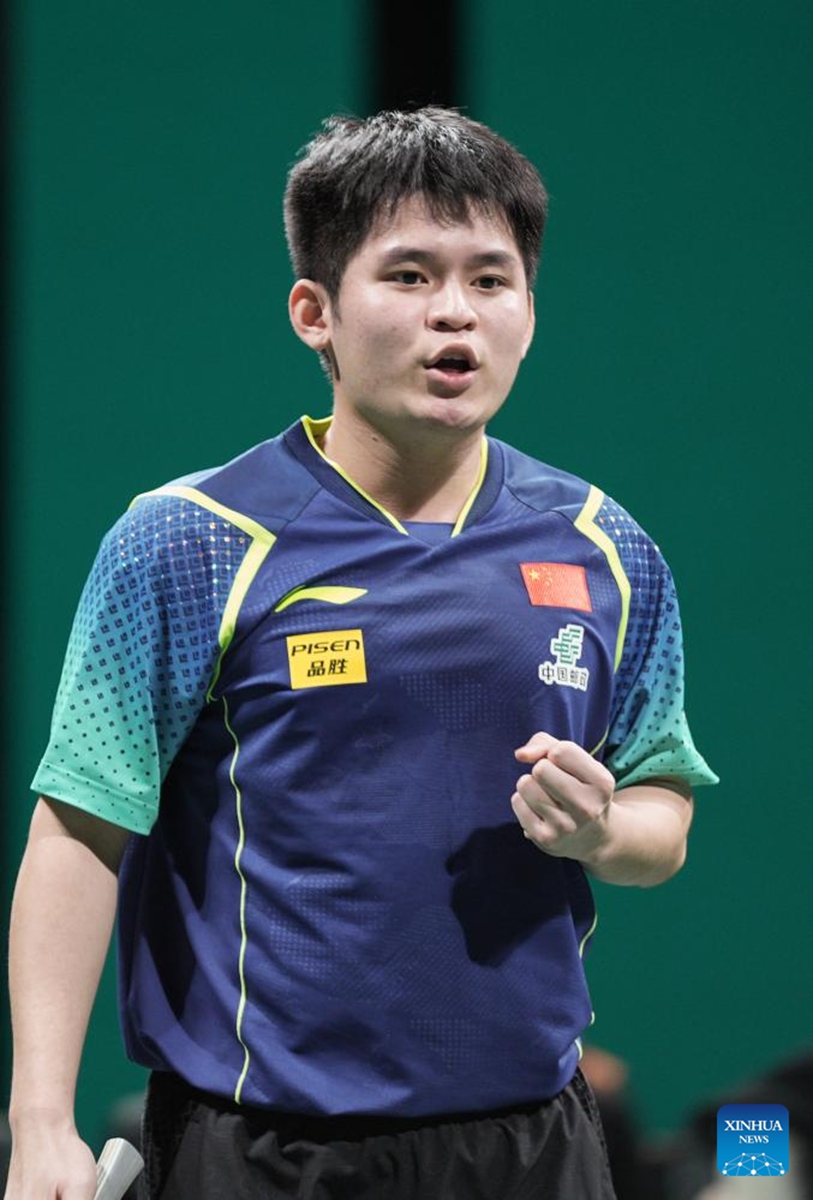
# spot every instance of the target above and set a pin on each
(425, 478)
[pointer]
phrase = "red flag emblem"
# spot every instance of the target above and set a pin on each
(557, 585)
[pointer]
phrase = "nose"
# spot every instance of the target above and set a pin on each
(451, 307)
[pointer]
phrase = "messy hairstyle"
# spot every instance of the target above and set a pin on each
(355, 173)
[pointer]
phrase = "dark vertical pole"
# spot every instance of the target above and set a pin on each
(416, 53)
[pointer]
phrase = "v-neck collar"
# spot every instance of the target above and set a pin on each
(303, 440)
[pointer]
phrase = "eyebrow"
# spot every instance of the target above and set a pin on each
(487, 258)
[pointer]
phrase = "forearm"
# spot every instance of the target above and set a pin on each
(645, 831)
(569, 807)
(61, 923)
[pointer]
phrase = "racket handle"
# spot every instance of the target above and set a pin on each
(119, 1164)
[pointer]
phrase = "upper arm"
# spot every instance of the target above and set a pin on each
(53, 818)
(672, 794)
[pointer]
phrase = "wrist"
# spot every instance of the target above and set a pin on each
(612, 858)
(24, 1115)
(603, 844)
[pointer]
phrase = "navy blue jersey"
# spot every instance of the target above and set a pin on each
(308, 712)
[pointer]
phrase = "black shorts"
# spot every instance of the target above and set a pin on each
(201, 1147)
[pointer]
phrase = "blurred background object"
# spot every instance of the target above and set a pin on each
(683, 1165)
(608, 1076)
(691, 1155)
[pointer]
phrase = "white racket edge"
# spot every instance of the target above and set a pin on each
(119, 1164)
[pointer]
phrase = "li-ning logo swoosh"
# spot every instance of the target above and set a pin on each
(328, 595)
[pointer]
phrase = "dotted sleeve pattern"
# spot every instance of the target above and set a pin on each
(649, 734)
(141, 655)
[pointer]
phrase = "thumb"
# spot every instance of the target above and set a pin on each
(538, 746)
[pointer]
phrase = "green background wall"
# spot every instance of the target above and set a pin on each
(672, 366)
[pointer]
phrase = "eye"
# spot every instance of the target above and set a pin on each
(408, 278)
(490, 283)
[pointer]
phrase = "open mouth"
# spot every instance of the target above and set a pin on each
(454, 360)
(451, 362)
(453, 370)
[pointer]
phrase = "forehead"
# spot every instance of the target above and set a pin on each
(413, 224)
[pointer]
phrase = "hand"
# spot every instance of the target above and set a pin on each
(564, 804)
(50, 1164)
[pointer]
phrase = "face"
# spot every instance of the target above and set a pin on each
(431, 324)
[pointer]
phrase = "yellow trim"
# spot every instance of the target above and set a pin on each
(329, 595)
(478, 483)
(262, 541)
(585, 522)
(242, 582)
(598, 745)
(253, 528)
(238, 855)
(315, 429)
(578, 1042)
(588, 935)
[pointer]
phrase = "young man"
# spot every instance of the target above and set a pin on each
(313, 701)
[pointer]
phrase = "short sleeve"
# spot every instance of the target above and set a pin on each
(649, 734)
(141, 655)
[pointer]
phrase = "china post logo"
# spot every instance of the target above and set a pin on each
(752, 1139)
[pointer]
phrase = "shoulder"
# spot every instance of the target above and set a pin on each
(545, 488)
(179, 537)
(259, 492)
(539, 485)
(633, 556)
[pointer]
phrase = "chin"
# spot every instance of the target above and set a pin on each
(454, 417)
(460, 412)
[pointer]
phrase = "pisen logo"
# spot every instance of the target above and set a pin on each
(324, 659)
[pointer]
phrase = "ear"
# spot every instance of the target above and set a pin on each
(529, 333)
(311, 315)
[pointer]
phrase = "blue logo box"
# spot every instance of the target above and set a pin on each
(752, 1139)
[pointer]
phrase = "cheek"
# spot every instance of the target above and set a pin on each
(513, 342)
(379, 342)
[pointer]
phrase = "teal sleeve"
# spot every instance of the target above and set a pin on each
(649, 734)
(141, 655)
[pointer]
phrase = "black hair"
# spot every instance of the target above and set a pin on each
(356, 172)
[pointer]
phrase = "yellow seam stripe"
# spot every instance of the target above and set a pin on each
(238, 854)
(262, 542)
(242, 582)
(587, 936)
(253, 528)
(585, 522)
(312, 428)
(598, 746)
(478, 483)
(328, 595)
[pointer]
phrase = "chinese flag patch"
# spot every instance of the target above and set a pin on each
(556, 585)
